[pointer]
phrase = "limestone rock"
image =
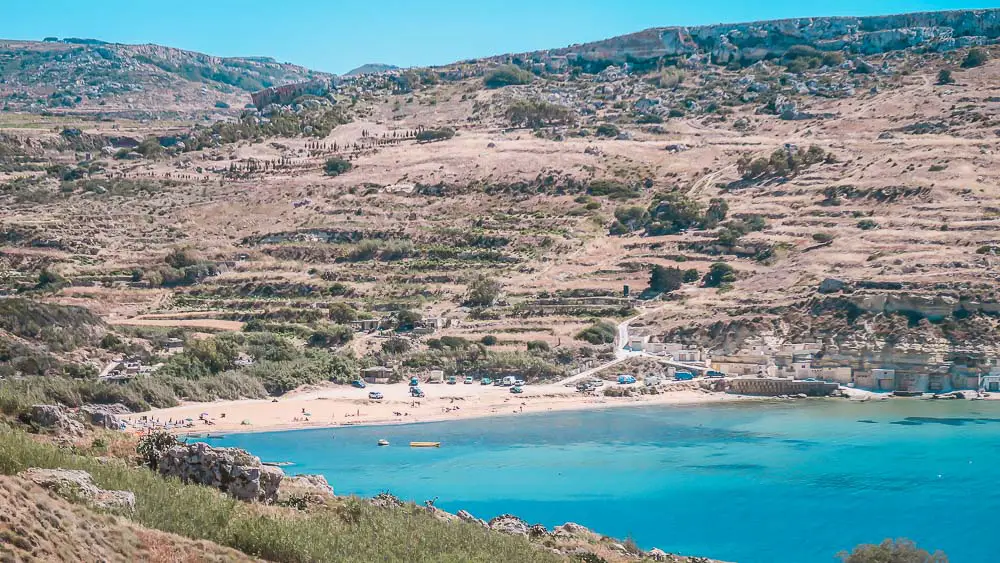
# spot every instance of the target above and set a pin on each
(466, 516)
(831, 285)
(312, 488)
(509, 524)
(104, 416)
(53, 416)
(386, 500)
(78, 484)
(231, 470)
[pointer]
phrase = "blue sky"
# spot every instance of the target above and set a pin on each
(337, 35)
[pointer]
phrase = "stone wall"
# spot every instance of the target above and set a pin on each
(231, 470)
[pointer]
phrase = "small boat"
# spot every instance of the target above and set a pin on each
(277, 463)
(425, 444)
(383, 442)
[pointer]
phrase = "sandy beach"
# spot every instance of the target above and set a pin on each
(340, 405)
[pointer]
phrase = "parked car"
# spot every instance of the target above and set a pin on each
(486, 381)
(519, 382)
(414, 382)
(416, 392)
(683, 376)
(359, 384)
(516, 389)
(626, 379)
(469, 380)
(713, 373)
(375, 395)
(452, 380)
(508, 381)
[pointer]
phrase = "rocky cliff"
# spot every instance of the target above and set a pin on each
(749, 42)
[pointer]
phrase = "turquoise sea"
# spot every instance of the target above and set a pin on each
(756, 483)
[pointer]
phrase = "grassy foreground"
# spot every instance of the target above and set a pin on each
(350, 530)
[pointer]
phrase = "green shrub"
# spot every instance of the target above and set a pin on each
(822, 237)
(718, 274)
(538, 346)
(507, 75)
(944, 77)
(601, 332)
(537, 113)
(665, 279)
(336, 166)
(867, 224)
(489, 340)
(607, 130)
(975, 57)
(429, 135)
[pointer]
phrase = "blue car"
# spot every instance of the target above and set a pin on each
(359, 384)
(683, 376)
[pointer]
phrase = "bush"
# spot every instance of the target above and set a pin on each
(601, 332)
(151, 446)
(944, 77)
(720, 273)
(221, 105)
(538, 346)
(430, 135)
(336, 166)
(489, 340)
(822, 237)
(691, 275)
(975, 57)
(607, 130)
(867, 224)
(665, 279)
(537, 113)
(396, 346)
(899, 551)
(482, 292)
(507, 75)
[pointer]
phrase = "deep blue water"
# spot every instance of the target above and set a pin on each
(761, 483)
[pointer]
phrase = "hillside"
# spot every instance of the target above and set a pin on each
(830, 181)
(89, 76)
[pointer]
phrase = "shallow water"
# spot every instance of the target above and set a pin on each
(768, 483)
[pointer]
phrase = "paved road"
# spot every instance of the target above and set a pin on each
(621, 355)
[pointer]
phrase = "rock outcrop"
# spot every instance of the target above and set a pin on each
(231, 470)
(311, 488)
(56, 418)
(755, 41)
(509, 524)
(104, 416)
(75, 484)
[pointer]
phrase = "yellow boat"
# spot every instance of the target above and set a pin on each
(425, 444)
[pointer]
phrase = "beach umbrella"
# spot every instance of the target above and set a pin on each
(189, 419)
(204, 414)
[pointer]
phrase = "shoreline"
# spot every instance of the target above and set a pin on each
(338, 406)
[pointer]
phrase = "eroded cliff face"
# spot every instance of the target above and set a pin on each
(749, 42)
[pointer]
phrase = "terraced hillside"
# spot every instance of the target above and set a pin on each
(500, 202)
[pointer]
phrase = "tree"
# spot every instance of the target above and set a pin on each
(944, 77)
(629, 219)
(483, 292)
(664, 280)
(673, 212)
(537, 113)
(395, 346)
(691, 275)
(152, 445)
(975, 57)
(717, 210)
(342, 313)
(899, 551)
(430, 135)
(406, 319)
(720, 273)
(336, 166)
